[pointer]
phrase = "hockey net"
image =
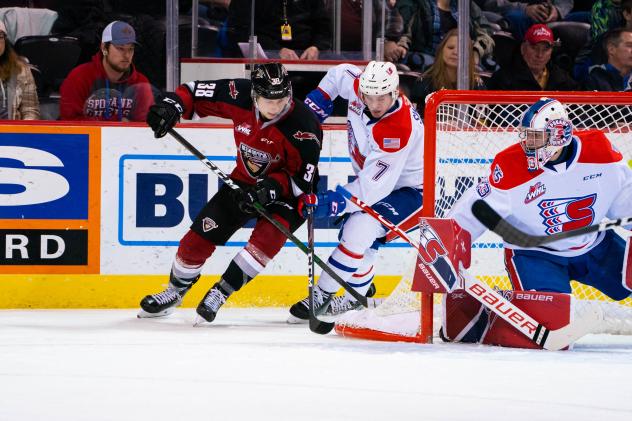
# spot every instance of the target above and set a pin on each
(463, 132)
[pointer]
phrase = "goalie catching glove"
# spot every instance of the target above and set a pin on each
(164, 114)
(329, 203)
(264, 192)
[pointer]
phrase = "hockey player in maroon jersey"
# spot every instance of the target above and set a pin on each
(278, 144)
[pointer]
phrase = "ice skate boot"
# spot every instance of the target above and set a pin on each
(210, 304)
(164, 303)
(299, 312)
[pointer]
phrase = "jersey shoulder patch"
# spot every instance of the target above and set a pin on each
(393, 132)
(510, 170)
(596, 148)
(301, 125)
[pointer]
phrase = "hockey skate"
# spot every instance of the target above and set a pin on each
(209, 306)
(299, 312)
(164, 303)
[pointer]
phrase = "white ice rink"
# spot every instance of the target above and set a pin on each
(250, 365)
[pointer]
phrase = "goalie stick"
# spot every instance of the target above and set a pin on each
(262, 211)
(496, 223)
(550, 339)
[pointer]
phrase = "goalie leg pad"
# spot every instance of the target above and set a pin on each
(467, 320)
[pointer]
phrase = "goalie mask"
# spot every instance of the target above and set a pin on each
(379, 78)
(544, 130)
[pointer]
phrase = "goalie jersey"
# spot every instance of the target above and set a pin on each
(386, 153)
(593, 183)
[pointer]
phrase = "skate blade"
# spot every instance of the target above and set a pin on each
(142, 314)
(200, 321)
(293, 320)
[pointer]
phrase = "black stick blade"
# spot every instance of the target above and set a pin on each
(485, 214)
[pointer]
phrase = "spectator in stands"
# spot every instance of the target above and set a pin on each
(522, 14)
(424, 23)
(532, 69)
(606, 15)
(297, 29)
(615, 75)
(351, 16)
(18, 94)
(442, 74)
(108, 88)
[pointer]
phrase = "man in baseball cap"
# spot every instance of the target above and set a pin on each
(108, 88)
(532, 69)
(539, 33)
(119, 33)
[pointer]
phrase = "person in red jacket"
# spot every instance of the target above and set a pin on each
(108, 88)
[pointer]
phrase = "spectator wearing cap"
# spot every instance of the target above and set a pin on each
(108, 88)
(532, 69)
(615, 75)
(18, 93)
(522, 14)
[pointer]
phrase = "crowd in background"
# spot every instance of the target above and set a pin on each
(516, 45)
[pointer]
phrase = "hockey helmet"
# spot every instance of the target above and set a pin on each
(379, 78)
(270, 80)
(544, 129)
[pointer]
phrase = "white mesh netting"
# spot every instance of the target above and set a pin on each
(466, 138)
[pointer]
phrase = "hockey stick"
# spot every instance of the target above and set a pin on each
(496, 223)
(262, 211)
(315, 325)
(549, 339)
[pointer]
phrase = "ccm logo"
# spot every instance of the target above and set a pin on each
(592, 176)
(502, 307)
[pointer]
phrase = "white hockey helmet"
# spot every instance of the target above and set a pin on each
(379, 78)
(544, 129)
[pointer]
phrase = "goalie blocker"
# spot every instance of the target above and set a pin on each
(468, 315)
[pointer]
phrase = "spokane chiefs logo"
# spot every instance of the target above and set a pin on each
(535, 191)
(567, 214)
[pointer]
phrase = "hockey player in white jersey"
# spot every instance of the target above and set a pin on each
(556, 180)
(385, 140)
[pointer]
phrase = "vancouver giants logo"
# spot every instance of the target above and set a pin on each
(430, 245)
(232, 89)
(255, 161)
(566, 214)
(535, 191)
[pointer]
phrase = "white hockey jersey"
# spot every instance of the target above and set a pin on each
(593, 184)
(386, 153)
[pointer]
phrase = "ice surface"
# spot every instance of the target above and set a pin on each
(250, 365)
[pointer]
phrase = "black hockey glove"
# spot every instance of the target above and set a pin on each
(164, 114)
(264, 192)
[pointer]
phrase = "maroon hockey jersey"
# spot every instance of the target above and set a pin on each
(286, 148)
